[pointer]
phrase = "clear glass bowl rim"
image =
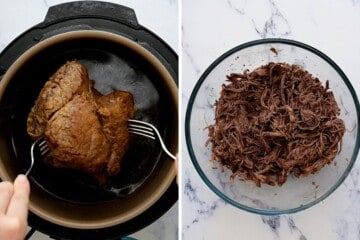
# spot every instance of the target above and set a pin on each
(201, 81)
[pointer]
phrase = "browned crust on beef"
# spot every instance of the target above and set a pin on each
(84, 129)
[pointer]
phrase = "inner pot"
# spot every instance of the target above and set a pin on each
(69, 198)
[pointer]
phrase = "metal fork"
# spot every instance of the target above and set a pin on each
(147, 130)
(40, 146)
(135, 126)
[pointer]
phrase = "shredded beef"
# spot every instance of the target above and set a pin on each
(275, 121)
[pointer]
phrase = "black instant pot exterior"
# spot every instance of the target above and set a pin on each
(96, 15)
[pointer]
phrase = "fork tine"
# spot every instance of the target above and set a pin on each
(141, 128)
(44, 149)
(142, 132)
(137, 127)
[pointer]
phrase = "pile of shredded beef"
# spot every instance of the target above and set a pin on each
(275, 121)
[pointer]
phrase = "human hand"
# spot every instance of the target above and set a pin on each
(14, 200)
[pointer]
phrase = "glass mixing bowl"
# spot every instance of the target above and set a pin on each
(296, 193)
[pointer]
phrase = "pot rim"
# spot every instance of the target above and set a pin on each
(170, 85)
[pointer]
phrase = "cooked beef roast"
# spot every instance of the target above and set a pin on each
(71, 79)
(84, 129)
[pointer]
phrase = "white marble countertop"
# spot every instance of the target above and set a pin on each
(212, 27)
(161, 17)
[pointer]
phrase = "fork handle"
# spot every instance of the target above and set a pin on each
(169, 153)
